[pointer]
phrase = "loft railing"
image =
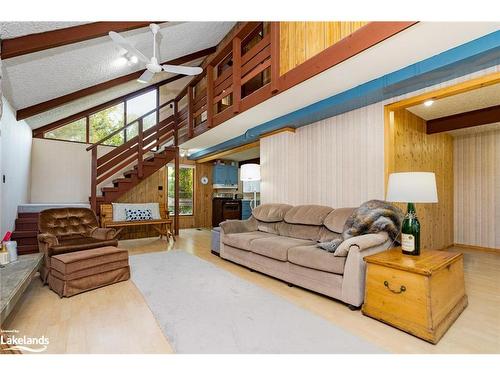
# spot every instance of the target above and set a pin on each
(242, 73)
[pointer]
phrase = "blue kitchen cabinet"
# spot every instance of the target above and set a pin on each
(225, 174)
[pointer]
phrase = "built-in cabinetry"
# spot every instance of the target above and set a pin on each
(225, 175)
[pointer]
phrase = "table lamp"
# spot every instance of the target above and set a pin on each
(251, 172)
(411, 188)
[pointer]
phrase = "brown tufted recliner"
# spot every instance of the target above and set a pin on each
(65, 230)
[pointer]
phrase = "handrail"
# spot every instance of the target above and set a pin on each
(156, 109)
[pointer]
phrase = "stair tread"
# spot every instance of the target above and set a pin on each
(24, 234)
(27, 220)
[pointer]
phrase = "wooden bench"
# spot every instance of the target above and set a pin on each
(163, 226)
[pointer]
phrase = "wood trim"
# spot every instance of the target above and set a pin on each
(469, 119)
(490, 250)
(236, 88)
(274, 132)
(362, 39)
(210, 95)
(24, 113)
(275, 56)
(60, 37)
(38, 133)
(222, 154)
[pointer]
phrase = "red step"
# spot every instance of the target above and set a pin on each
(27, 215)
(27, 224)
(27, 249)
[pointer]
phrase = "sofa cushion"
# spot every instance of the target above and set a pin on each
(243, 240)
(336, 219)
(268, 227)
(310, 214)
(312, 257)
(271, 213)
(276, 247)
(304, 232)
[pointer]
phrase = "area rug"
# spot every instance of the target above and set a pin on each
(202, 308)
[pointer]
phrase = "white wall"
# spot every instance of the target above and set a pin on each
(15, 159)
(477, 189)
(337, 162)
(60, 171)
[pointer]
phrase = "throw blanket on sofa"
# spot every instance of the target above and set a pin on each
(371, 217)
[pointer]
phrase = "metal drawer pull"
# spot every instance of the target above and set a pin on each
(402, 288)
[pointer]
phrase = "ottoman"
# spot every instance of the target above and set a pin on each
(77, 272)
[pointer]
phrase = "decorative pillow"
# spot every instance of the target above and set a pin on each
(138, 215)
(120, 208)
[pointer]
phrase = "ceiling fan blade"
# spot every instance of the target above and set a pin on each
(145, 77)
(124, 43)
(186, 70)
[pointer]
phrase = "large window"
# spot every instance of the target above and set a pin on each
(137, 107)
(101, 124)
(75, 131)
(186, 190)
(105, 122)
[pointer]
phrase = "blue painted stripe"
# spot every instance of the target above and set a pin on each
(467, 58)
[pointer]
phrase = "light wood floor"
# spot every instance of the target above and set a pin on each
(116, 319)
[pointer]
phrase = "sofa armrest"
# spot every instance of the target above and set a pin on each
(103, 233)
(361, 243)
(353, 282)
(238, 226)
(48, 239)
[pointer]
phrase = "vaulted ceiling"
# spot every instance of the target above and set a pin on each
(37, 77)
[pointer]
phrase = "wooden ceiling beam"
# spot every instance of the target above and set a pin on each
(36, 109)
(478, 117)
(60, 37)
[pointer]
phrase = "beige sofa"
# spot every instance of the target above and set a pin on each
(281, 241)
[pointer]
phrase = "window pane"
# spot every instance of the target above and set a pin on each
(148, 122)
(140, 105)
(74, 131)
(105, 122)
(186, 190)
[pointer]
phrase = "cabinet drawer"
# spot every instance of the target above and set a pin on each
(396, 297)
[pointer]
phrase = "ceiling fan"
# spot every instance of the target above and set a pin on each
(152, 65)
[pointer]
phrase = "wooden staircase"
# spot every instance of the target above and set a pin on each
(136, 159)
(131, 177)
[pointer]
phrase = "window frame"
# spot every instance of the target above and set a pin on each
(188, 166)
(122, 100)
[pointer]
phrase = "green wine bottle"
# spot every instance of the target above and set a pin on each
(410, 232)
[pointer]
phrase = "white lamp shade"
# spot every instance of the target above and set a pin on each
(415, 187)
(250, 172)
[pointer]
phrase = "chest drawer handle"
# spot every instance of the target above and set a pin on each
(402, 288)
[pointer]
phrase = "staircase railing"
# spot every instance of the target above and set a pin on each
(132, 151)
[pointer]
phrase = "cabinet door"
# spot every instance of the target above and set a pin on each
(233, 175)
(219, 175)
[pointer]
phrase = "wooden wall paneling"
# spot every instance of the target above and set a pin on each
(415, 151)
(299, 41)
(203, 196)
(477, 192)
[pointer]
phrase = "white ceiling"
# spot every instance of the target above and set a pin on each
(249, 154)
(467, 101)
(44, 75)
(16, 29)
(409, 46)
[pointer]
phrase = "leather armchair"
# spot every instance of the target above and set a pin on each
(65, 230)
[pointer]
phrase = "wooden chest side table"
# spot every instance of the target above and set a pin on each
(422, 295)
